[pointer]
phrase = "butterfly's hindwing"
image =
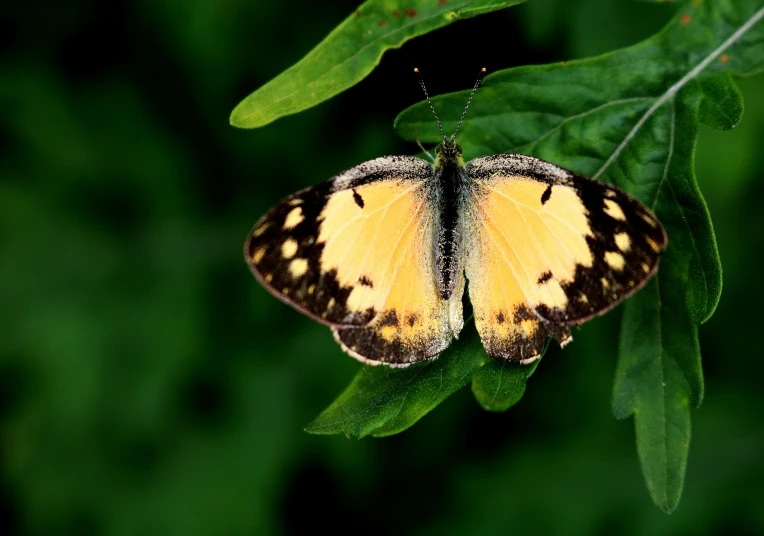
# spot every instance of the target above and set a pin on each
(548, 249)
(355, 253)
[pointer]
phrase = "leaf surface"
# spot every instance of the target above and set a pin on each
(499, 385)
(350, 52)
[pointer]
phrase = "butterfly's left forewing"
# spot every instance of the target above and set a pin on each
(356, 253)
(547, 249)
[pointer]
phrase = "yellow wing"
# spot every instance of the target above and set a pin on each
(356, 253)
(547, 249)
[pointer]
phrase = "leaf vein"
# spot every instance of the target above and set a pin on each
(679, 85)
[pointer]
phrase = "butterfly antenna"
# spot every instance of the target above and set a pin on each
(421, 83)
(474, 89)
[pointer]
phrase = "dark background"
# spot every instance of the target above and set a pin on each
(148, 385)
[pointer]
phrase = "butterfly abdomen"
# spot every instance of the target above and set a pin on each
(449, 179)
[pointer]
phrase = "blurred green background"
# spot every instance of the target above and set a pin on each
(148, 385)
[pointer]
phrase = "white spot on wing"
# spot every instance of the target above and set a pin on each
(298, 267)
(289, 248)
(653, 244)
(258, 256)
(623, 241)
(260, 230)
(615, 260)
(650, 221)
(614, 210)
(294, 218)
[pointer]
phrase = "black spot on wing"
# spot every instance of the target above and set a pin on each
(546, 276)
(365, 281)
(389, 318)
(546, 195)
(412, 319)
(358, 199)
(500, 317)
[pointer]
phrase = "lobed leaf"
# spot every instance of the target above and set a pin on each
(722, 105)
(350, 52)
(499, 385)
(383, 401)
(630, 117)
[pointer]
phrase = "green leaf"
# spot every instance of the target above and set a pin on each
(350, 52)
(722, 105)
(630, 117)
(499, 385)
(383, 401)
(651, 384)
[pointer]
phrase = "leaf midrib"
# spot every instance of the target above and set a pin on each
(679, 85)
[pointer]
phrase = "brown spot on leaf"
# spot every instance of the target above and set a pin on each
(357, 12)
(410, 12)
(564, 63)
(382, 23)
(724, 58)
(685, 19)
(395, 14)
(442, 3)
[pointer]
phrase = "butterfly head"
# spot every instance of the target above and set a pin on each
(448, 150)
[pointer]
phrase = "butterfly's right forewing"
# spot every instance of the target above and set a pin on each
(549, 249)
(356, 253)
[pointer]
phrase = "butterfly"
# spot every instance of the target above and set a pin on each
(383, 252)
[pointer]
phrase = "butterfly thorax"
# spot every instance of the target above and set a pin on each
(449, 178)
